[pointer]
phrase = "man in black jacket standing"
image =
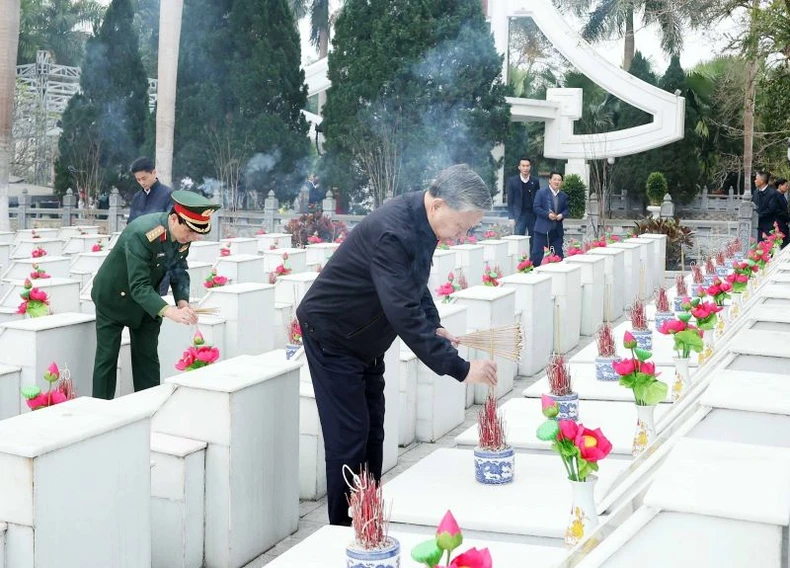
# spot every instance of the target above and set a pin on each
(373, 289)
(521, 191)
(763, 199)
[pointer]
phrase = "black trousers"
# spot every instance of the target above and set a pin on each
(349, 394)
(541, 240)
(144, 342)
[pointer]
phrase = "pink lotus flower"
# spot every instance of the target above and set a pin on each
(624, 367)
(224, 252)
(96, 248)
(445, 289)
(22, 309)
(52, 373)
(472, 558)
(28, 284)
(220, 280)
(568, 430)
(629, 341)
(450, 276)
(725, 287)
(448, 533)
(197, 339)
(648, 368)
(38, 295)
(669, 327)
(40, 401)
(260, 232)
(207, 354)
(592, 444)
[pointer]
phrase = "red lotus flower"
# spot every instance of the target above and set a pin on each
(207, 354)
(592, 444)
(568, 430)
(96, 248)
(445, 289)
(624, 367)
(669, 327)
(220, 280)
(22, 309)
(38, 295)
(472, 558)
(224, 252)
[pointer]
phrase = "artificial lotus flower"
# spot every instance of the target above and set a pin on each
(472, 558)
(448, 533)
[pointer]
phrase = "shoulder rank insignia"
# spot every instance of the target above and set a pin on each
(183, 248)
(154, 233)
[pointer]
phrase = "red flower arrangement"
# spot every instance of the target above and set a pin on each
(491, 277)
(198, 355)
(225, 251)
(639, 374)
(98, 247)
(446, 290)
(35, 302)
(38, 252)
(687, 337)
(525, 265)
(549, 257)
(213, 280)
(575, 248)
(281, 270)
(448, 538)
(314, 239)
(38, 273)
(719, 291)
(60, 389)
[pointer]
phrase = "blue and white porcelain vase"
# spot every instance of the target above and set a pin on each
(604, 371)
(661, 317)
(385, 557)
(722, 271)
(568, 405)
(494, 467)
(707, 280)
(644, 338)
(677, 303)
(291, 349)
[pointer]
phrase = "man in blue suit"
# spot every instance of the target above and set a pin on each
(551, 208)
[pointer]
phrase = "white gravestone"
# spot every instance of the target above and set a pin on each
(271, 241)
(248, 310)
(241, 268)
(175, 338)
(407, 420)
(614, 281)
(650, 251)
(75, 486)
(178, 484)
(441, 400)
(469, 259)
(240, 245)
(291, 288)
(27, 234)
(66, 339)
(84, 243)
(297, 259)
(566, 288)
(55, 266)
(63, 293)
(496, 253)
(65, 233)
(593, 291)
(319, 253)
(518, 246)
(9, 391)
(490, 307)
(535, 309)
(634, 275)
(312, 459)
(198, 272)
(204, 251)
(660, 258)
(25, 247)
(444, 263)
(247, 410)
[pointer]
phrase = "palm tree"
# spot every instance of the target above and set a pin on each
(606, 19)
(58, 26)
(9, 41)
(170, 13)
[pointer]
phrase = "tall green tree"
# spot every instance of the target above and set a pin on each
(104, 127)
(59, 26)
(239, 71)
(416, 86)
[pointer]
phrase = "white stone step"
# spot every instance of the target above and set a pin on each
(178, 485)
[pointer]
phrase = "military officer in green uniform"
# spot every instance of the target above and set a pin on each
(126, 289)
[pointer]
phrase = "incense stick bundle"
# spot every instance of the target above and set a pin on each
(207, 311)
(505, 341)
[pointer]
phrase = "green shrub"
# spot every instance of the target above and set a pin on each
(656, 188)
(577, 195)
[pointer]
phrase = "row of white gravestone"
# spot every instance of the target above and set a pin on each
(486, 292)
(699, 474)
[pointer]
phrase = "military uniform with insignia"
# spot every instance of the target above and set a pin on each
(126, 290)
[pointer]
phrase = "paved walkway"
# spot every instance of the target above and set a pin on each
(313, 515)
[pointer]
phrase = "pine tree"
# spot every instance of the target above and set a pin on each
(104, 127)
(239, 72)
(416, 87)
(679, 161)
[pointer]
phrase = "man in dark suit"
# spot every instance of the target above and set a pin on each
(551, 209)
(763, 199)
(154, 196)
(373, 289)
(521, 191)
(125, 289)
(781, 209)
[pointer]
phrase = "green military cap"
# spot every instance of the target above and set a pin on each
(194, 209)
